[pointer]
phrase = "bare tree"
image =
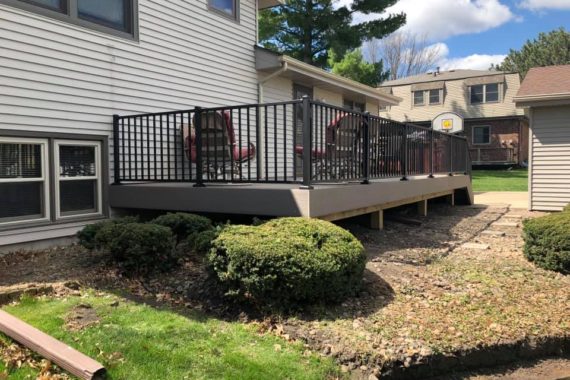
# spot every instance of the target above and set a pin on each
(404, 54)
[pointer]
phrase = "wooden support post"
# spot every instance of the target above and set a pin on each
(377, 220)
(451, 199)
(423, 207)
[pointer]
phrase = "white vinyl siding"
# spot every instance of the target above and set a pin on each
(58, 77)
(550, 158)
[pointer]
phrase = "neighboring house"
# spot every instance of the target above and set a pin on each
(68, 65)
(545, 93)
(496, 130)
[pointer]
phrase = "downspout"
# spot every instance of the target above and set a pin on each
(260, 100)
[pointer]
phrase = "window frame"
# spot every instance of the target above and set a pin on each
(438, 97)
(488, 127)
(235, 16)
(45, 178)
(58, 178)
(484, 94)
(70, 15)
(423, 103)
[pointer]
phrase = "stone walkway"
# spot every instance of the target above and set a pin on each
(513, 199)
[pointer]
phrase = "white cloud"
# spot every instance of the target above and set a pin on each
(472, 62)
(440, 19)
(536, 5)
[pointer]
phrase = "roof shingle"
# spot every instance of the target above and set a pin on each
(550, 80)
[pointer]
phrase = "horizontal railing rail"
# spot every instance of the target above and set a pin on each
(300, 141)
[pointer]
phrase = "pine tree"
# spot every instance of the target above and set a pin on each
(309, 29)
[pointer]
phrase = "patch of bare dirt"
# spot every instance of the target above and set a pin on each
(81, 317)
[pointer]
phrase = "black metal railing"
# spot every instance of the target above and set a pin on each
(299, 141)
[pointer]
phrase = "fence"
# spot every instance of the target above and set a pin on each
(299, 141)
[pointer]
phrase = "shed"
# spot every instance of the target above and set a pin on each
(545, 93)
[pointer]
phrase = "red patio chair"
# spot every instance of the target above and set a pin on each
(220, 151)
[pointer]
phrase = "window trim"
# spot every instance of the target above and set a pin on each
(71, 16)
(233, 17)
(473, 134)
(58, 178)
(45, 178)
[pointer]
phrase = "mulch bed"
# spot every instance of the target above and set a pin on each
(427, 305)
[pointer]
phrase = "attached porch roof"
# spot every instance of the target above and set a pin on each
(262, 4)
(306, 74)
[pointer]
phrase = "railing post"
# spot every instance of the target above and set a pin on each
(199, 162)
(116, 151)
(432, 154)
(405, 168)
(467, 160)
(366, 148)
(450, 155)
(307, 143)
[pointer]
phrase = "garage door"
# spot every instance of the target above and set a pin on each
(550, 154)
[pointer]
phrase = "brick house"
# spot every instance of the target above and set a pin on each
(496, 130)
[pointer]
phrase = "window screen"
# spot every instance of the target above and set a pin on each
(21, 200)
(78, 196)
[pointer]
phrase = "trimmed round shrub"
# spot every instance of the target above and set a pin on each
(184, 224)
(138, 247)
(87, 235)
(547, 241)
(288, 262)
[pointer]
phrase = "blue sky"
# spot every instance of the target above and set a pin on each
(512, 34)
(472, 34)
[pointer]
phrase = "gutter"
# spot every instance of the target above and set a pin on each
(50, 348)
(541, 98)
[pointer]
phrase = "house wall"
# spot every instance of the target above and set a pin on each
(61, 78)
(455, 99)
(549, 180)
(508, 141)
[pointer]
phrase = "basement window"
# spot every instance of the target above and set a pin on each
(78, 178)
(24, 187)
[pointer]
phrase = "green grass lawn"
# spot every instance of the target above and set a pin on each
(136, 341)
(500, 180)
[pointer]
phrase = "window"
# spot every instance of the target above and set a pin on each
(485, 93)
(354, 106)
(492, 93)
(116, 17)
(481, 135)
(434, 97)
(78, 178)
(227, 8)
(418, 98)
(56, 5)
(477, 94)
(24, 188)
